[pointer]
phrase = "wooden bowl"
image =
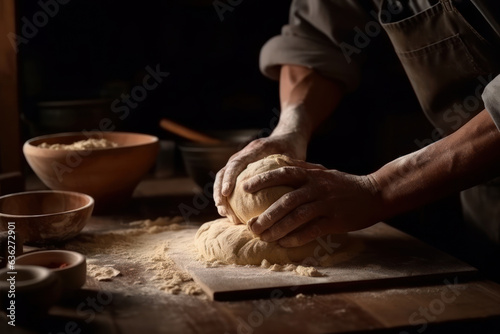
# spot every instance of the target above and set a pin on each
(70, 267)
(45, 216)
(109, 175)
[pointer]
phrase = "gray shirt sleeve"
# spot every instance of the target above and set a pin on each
(320, 35)
(491, 98)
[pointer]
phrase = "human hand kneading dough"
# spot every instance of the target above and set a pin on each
(322, 202)
(225, 180)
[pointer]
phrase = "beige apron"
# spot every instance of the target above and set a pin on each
(449, 63)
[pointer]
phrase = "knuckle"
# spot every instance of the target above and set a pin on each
(277, 232)
(231, 165)
(266, 217)
(266, 176)
(288, 171)
(310, 234)
(302, 214)
(293, 173)
(288, 200)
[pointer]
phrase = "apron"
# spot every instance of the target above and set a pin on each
(447, 61)
(449, 64)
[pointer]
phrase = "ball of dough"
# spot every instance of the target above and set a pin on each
(222, 241)
(245, 205)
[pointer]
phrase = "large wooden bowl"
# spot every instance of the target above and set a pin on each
(45, 216)
(109, 175)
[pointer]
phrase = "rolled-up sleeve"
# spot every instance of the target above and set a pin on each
(319, 35)
(491, 98)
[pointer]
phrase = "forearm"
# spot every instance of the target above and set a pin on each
(307, 99)
(465, 158)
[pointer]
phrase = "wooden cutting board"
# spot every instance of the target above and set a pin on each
(377, 257)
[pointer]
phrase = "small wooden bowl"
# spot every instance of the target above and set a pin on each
(37, 289)
(70, 267)
(45, 216)
(109, 175)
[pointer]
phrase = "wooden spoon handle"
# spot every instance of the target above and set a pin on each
(186, 132)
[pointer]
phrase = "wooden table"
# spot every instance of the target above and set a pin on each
(464, 307)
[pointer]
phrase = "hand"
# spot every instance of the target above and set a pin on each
(323, 202)
(290, 144)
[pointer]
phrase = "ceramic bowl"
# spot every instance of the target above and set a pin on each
(37, 289)
(69, 266)
(46, 215)
(109, 175)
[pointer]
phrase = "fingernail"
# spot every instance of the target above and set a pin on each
(245, 186)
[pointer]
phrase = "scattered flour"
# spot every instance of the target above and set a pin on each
(139, 255)
(88, 144)
(158, 225)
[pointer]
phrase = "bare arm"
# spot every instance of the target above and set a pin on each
(307, 99)
(465, 158)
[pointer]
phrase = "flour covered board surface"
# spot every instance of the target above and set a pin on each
(388, 258)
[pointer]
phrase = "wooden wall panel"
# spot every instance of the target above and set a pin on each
(10, 141)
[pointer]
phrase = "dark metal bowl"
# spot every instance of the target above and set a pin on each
(203, 161)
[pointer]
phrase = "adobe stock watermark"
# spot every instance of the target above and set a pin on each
(265, 308)
(459, 113)
(223, 6)
(435, 307)
(11, 265)
(203, 199)
(122, 107)
(30, 28)
(138, 93)
(371, 30)
(200, 201)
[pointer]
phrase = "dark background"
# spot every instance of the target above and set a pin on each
(95, 50)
